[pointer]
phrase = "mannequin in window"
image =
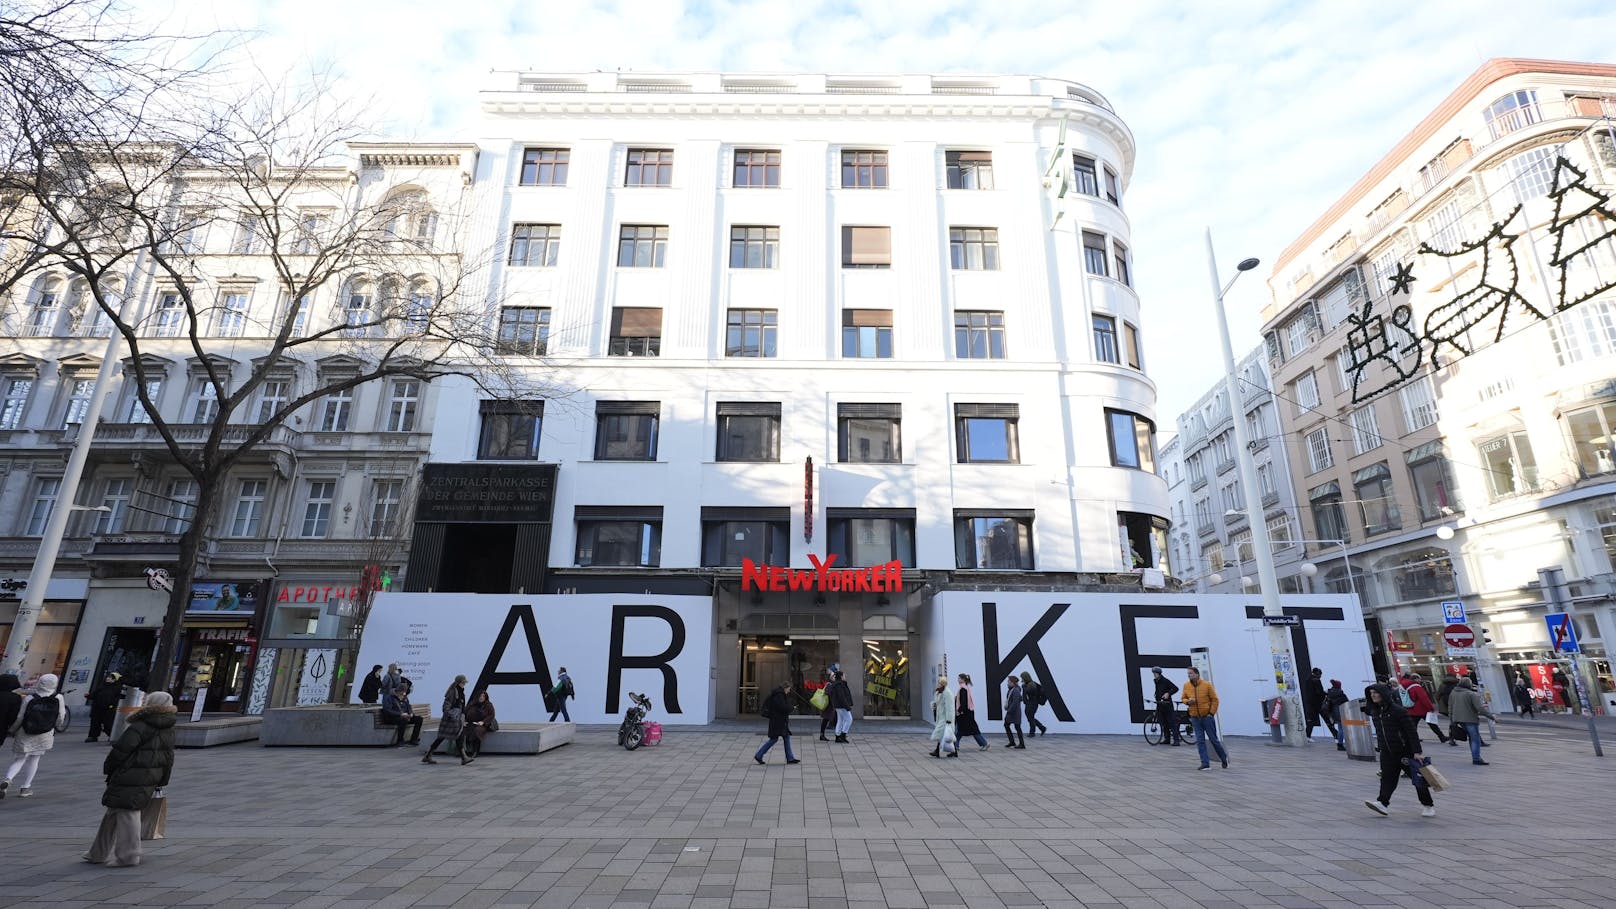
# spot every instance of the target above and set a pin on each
(1604, 461)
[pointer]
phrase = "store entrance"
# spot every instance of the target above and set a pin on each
(128, 652)
(767, 661)
(218, 671)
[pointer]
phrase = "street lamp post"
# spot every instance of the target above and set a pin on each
(1279, 640)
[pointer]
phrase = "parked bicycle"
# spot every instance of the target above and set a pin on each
(1155, 734)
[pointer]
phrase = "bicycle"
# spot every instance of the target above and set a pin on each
(1152, 727)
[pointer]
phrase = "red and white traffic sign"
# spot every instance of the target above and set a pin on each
(1459, 636)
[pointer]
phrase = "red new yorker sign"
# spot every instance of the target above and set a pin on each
(1459, 636)
(884, 578)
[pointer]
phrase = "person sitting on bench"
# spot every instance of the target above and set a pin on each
(396, 711)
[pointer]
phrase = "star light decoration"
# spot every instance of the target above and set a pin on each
(1402, 278)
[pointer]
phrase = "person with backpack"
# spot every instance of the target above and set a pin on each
(1398, 735)
(136, 769)
(10, 704)
(1012, 715)
(560, 693)
(1418, 704)
(1166, 715)
(103, 700)
(1032, 697)
(1313, 700)
(841, 699)
(34, 733)
(1334, 697)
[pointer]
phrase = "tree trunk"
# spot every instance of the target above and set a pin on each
(163, 675)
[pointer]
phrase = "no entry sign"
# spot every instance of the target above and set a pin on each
(1459, 636)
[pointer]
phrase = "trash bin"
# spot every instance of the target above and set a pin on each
(1356, 733)
(1273, 713)
(132, 699)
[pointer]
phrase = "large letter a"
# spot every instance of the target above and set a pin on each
(540, 675)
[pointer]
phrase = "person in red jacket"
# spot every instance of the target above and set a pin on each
(1423, 709)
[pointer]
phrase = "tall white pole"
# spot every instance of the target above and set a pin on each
(1279, 639)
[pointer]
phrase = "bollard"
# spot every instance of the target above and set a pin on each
(132, 699)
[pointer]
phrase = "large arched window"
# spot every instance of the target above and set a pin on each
(44, 308)
(357, 308)
(409, 217)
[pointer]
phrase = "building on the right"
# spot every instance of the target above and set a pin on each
(1442, 342)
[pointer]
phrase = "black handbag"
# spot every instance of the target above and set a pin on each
(1458, 733)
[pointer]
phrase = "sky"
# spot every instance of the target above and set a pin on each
(1251, 116)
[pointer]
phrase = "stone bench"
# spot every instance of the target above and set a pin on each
(217, 731)
(327, 725)
(528, 738)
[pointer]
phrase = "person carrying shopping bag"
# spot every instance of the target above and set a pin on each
(138, 767)
(942, 712)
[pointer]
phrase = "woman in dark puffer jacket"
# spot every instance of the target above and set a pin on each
(138, 766)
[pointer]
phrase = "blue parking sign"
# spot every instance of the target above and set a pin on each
(1453, 612)
(1562, 635)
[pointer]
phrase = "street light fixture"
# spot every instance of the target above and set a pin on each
(1279, 639)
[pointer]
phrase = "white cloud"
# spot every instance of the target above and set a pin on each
(1251, 116)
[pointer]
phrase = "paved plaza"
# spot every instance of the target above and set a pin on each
(695, 824)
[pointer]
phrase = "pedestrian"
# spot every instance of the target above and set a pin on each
(942, 717)
(397, 711)
(1032, 697)
(1313, 700)
(827, 715)
(1423, 707)
(1166, 714)
(1468, 710)
(10, 704)
(1201, 703)
(1398, 734)
(33, 733)
(1012, 714)
(965, 715)
(841, 700)
(480, 724)
(391, 680)
(370, 691)
(561, 692)
(1334, 697)
(103, 701)
(453, 722)
(777, 710)
(137, 767)
(1523, 697)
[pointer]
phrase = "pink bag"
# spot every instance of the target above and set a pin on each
(653, 734)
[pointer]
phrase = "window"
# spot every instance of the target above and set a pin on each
(272, 396)
(180, 506)
(969, 169)
(1329, 521)
(642, 246)
(1510, 465)
(866, 247)
(170, 316)
(46, 311)
(317, 509)
(867, 333)
(301, 308)
(356, 314)
(115, 498)
(386, 505)
(649, 167)
(1195, 468)
(509, 430)
(1000, 541)
(751, 333)
(1301, 332)
(862, 537)
(1113, 187)
(1094, 254)
(748, 431)
(757, 167)
(1130, 346)
(1306, 392)
(1265, 480)
(203, 404)
(403, 399)
(1365, 429)
(1212, 554)
(1279, 531)
(626, 430)
(1203, 514)
(79, 392)
(1419, 403)
(1592, 430)
(1085, 179)
(620, 537)
(535, 245)
(979, 335)
(869, 433)
(1257, 425)
(544, 166)
(636, 332)
(248, 514)
(417, 311)
(1144, 540)
(1233, 498)
(1585, 331)
(311, 227)
(1442, 228)
(1318, 450)
(1511, 112)
(192, 232)
(864, 170)
(335, 410)
(1223, 450)
(729, 535)
(1376, 499)
(754, 247)
(232, 315)
(1133, 440)
(973, 248)
(1105, 339)
(987, 433)
(46, 491)
(1531, 174)
(1433, 486)
(524, 331)
(247, 240)
(1241, 544)
(1119, 257)
(17, 391)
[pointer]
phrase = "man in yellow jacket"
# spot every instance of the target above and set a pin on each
(1201, 703)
